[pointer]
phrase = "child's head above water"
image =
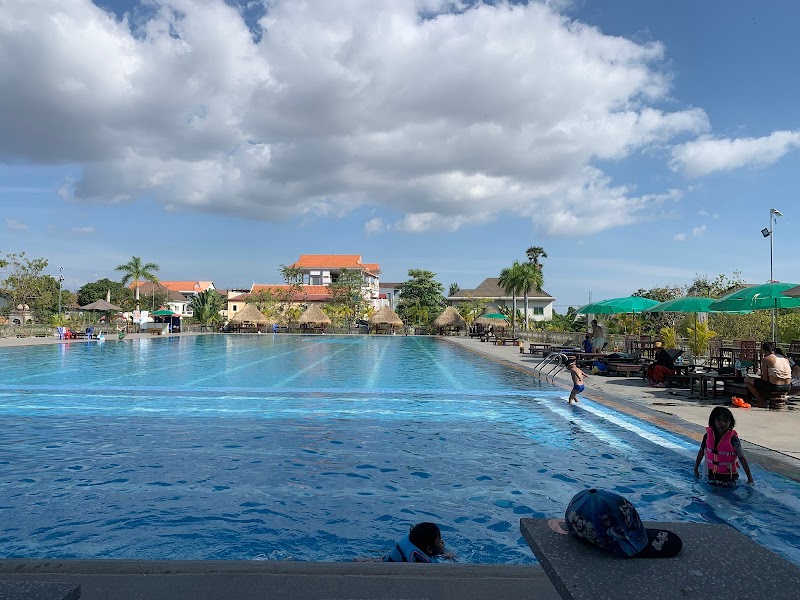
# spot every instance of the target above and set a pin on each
(719, 416)
(428, 538)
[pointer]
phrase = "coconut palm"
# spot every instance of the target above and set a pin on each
(135, 270)
(530, 279)
(509, 282)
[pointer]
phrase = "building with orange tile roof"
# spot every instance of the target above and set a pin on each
(325, 269)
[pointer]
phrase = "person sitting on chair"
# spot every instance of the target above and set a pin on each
(776, 375)
(662, 366)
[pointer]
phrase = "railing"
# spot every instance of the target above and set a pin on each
(550, 366)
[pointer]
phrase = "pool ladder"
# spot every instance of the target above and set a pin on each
(550, 366)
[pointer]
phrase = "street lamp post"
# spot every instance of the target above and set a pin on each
(774, 213)
(60, 282)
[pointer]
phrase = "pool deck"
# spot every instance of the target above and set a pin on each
(770, 441)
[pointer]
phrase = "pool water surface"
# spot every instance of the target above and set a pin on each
(322, 448)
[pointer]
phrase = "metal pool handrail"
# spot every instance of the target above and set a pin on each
(555, 361)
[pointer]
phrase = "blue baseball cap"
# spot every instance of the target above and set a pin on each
(609, 521)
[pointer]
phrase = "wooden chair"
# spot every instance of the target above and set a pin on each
(714, 352)
(748, 355)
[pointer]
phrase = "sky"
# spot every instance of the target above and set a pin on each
(639, 143)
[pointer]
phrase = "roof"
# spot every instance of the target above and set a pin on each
(386, 316)
(177, 286)
(146, 288)
(249, 314)
(335, 261)
(309, 292)
(314, 316)
(490, 288)
(450, 317)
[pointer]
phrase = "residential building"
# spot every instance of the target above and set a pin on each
(325, 269)
(179, 293)
(390, 293)
(540, 303)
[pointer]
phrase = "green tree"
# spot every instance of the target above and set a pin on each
(24, 283)
(530, 279)
(472, 308)
(271, 303)
(420, 297)
(534, 253)
(98, 290)
(206, 307)
(509, 282)
(654, 322)
(291, 275)
(454, 289)
(348, 291)
(135, 271)
(567, 322)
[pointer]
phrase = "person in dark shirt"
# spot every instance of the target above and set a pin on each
(587, 343)
(662, 366)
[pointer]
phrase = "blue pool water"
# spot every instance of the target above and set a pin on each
(322, 448)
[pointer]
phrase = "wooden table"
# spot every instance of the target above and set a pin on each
(542, 348)
(627, 368)
(703, 380)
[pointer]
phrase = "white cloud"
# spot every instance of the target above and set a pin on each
(709, 155)
(698, 231)
(83, 230)
(458, 118)
(375, 225)
(679, 237)
(15, 225)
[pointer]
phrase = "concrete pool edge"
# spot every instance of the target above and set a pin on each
(761, 454)
(244, 580)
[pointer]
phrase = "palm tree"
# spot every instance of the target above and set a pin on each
(135, 270)
(530, 278)
(509, 281)
(206, 306)
(534, 253)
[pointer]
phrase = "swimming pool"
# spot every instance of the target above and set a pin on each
(322, 448)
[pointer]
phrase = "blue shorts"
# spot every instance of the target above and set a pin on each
(578, 388)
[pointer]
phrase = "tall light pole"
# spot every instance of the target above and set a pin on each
(774, 213)
(60, 281)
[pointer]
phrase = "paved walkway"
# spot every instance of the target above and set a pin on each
(771, 437)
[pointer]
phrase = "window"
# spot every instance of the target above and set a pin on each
(538, 310)
(316, 279)
(234, 308)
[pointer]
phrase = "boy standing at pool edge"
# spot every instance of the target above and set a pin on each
(577, 379)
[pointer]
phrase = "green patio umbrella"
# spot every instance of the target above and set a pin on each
(690, 304)
(163, 312)
(767, 296)
(615, 306)
(494, 316)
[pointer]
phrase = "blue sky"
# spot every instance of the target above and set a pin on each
(639, 143)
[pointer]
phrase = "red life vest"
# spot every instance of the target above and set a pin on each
(722, 460)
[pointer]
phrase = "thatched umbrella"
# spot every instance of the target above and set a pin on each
(249, 316)
(450, 318)
(495, 319)
(385, 316)
(314, 317)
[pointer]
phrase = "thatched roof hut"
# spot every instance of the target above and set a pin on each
(249, 314)
(486, 321)
(314, 317)
(385, 317)
(450, 318)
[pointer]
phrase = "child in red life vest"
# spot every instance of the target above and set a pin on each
(721, 448)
